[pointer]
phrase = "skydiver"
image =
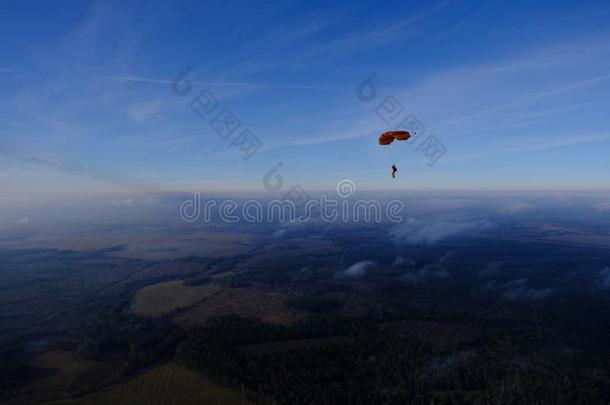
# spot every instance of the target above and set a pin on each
(394, 170)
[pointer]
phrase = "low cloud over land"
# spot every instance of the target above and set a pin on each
(423, 232)
(357, 270)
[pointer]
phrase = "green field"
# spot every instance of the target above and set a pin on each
(168, 384)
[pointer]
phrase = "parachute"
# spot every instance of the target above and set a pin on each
(390, 136)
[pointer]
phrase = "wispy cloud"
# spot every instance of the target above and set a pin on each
(223, 84)
(341, 131)
(278, 234)
(23, 221)
(429, 272)
(42, 160)
(521, 147)
(444, 92)
(145, 112)
(604, 278)
(492, 269)
(401, 261)
(602, 207)
(521, 290)
(43, 163)
(468, 18)
(516, 103)
(375, 37)
(517, 207)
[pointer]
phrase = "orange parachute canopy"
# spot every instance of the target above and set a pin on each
(390, 136)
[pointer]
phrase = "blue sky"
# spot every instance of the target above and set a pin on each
(516, 91)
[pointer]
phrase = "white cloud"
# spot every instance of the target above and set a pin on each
(422, 232)
(357, 270)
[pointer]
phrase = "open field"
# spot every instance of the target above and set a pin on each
(164, 385)
(247, 302)
(147, 244)
(57, 374)
(66, 366)
(164, 298)
(60, 368)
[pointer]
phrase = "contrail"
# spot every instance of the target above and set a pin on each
(222, 84)
(526, 100)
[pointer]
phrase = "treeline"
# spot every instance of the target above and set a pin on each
(140, 341)
(373, 364)
(315, 304)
